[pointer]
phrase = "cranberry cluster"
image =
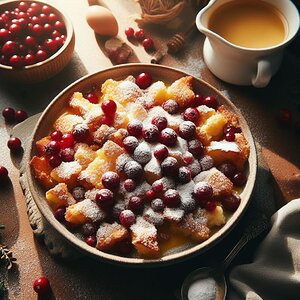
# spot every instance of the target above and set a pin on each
(139, 35)
(10, 115)
(30, 33)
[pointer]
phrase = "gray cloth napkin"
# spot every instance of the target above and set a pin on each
(275, 272)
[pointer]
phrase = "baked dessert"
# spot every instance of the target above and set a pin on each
(143, 168)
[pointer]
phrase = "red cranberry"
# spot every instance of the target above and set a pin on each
(36, 20)
(16, 61)
(89, 229)
(14, 144)
(233, 129)
(144, 80)
(197, 101)
(48, 28)
(210, 205)
(195, 147)
(284, 117)
(43, 18)
(184, 174)
(59, 214)
(169, 166)
(5, 35)
(124, 247)
(139, 34)
(41, 55)
(42, 286)
(129, 185)
(168, 137)
(230, 136)
(129, 32)
(150, 194)
(109, 107)
(157, 205)
(15, 29)
(54, 161)
(21, 115)
(29, 59)
(171, 106)
(150, 133)
(46, 9)
(30, 41)
(157, 186)
(160, 122)
(10, 48)
(171, 198)
(52, 18)
(78, 193)
(135, 204)
(91, 241)
(59, 26)
(127, 218)
(130, 143)
(228, 169)
(9, 114)
(108, 120)
(52, 148)
(135, 128)
(92, 97)
(3, 174)
(50, 45)
(188, 158)
(105, 198)
(203, 191)
(67, 140)
(161, 152)
(211, 101)
(38, 30)
(187, 130)
(110, 180)
(148, 44)
(56, 135)
(67, 154)
(81, 132)
(239, 179)
(23, 5)
(231, 202)
(133, 170)
(191, 114)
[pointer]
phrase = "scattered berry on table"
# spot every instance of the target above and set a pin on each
(42, 286)
(14, 144)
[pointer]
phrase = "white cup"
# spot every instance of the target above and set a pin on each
(241, 65)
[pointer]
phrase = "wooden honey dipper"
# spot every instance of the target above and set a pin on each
(177, 41)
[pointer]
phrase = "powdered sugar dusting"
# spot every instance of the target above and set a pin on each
(153, 217)
(129, 90)
(224, 146)
(185, 191)
(91, 210)
(67, 169)
(173, 214)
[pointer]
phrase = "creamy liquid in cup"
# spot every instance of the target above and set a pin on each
(249, 23)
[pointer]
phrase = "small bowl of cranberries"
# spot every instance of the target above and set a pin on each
(36, 41)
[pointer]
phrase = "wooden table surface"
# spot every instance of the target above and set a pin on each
(88, 279)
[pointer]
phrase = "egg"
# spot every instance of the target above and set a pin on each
(102, 21)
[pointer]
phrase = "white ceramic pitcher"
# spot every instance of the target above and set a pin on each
(240, 65)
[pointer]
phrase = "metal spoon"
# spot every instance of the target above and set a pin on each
(209, 283)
